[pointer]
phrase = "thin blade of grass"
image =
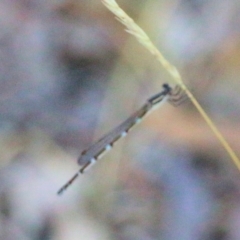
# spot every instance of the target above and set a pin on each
(142, 37)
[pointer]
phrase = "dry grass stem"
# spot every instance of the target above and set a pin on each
(142, 37)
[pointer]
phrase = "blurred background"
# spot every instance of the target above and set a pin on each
(69, 73)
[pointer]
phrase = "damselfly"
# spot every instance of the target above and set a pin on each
(90, 156)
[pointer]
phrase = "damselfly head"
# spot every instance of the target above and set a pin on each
(166, 87)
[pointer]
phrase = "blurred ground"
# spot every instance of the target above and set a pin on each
(69, 73)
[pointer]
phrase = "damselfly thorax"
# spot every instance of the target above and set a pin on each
(92, 154)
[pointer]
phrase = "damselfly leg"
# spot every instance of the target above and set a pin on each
(177, 96)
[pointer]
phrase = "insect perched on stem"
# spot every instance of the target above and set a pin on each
(98, 149)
